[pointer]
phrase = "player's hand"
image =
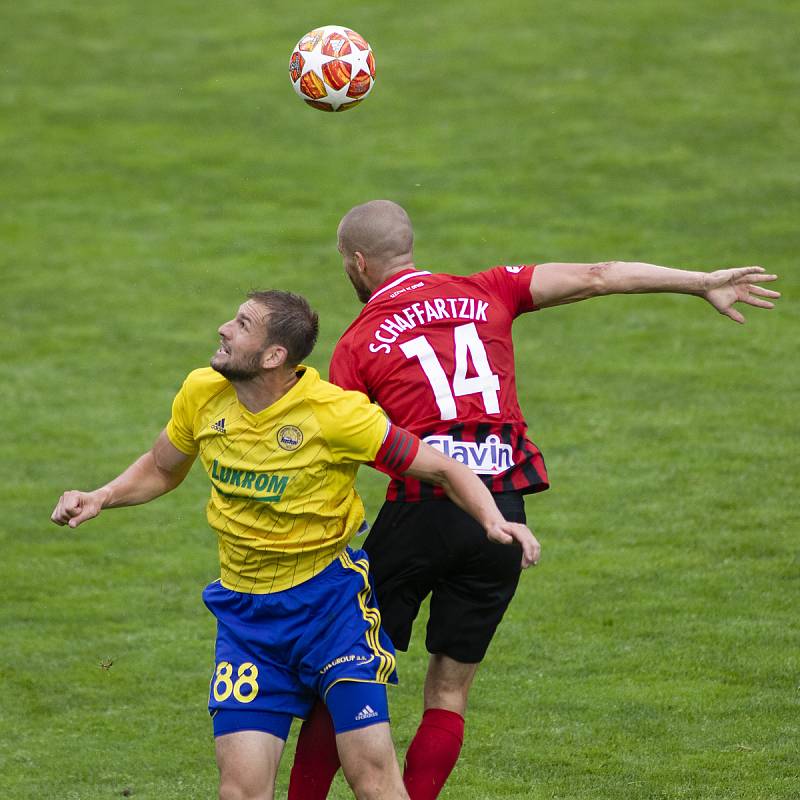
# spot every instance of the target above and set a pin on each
(510, 532)
(74, 507)
(725, 287)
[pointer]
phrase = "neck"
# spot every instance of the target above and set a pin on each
(262, 391)
(393, 269)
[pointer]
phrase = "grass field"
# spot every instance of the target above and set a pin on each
(155, 164)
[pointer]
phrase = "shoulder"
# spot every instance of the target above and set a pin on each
(510, 284)
(348, 422)
(504, 273)
(339, 409)
(328, 398)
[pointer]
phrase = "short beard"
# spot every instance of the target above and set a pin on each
(240, 372)
(362, 292)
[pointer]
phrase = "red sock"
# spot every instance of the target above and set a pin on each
(433, 753)
(316, 758)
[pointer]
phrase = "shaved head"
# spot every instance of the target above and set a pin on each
(380, 230)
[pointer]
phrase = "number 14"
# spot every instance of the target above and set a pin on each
(468, 345)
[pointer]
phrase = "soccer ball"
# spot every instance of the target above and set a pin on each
(332, 68)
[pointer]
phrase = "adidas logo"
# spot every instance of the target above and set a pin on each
(219, 426)
(368, 712)
(515, 270)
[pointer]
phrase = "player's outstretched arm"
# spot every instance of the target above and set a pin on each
(556, 284)
(156, 472)
(468, 492)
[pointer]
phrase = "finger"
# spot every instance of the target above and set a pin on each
(530, 547)
(58, 515)
(501, 537)
(511, 532)
(735, 315)
(753, 301)
(763, 278)
(760, 290)
(72, 503)
(530, 553)
(85, 513)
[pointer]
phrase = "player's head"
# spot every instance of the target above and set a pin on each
(272, 329)
(375, 240)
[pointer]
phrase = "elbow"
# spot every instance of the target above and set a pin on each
(441, 478)
(445, 474)
(599, 278)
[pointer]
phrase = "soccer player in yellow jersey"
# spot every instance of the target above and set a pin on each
(296, 616)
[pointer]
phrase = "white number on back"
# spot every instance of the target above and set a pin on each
(468, 346)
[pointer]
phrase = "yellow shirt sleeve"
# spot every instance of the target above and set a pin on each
(179, 429)
(353, 427)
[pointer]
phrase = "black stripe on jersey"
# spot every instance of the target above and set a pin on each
(456, 430)
(482, 430)
(416, 489)
(529, 470)
(507, 479)
(426, 491)
(400, 488)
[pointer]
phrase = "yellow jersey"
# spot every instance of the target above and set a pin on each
(283, 501)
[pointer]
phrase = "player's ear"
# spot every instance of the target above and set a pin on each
(274, 356)
(361, 261)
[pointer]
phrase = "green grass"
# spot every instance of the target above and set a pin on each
(155, 164)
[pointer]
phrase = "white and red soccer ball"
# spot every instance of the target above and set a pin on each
(332, 68)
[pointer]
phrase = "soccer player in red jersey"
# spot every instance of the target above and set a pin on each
(435, 352)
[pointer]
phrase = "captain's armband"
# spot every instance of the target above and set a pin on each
(398, 451)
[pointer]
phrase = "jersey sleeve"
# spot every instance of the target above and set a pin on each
(179, 428)
(343, 370)
(354, 429)
(511, 285)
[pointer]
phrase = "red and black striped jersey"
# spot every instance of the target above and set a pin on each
(436, 353)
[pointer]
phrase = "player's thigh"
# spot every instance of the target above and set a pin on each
(469, 601)
(405, 558)
(360, 714)
(248, 763)
(369, 761)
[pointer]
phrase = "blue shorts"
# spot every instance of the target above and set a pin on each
(277, 653)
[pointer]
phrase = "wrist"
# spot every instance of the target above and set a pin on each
(702, 283)
(104, 495)
(493, 521)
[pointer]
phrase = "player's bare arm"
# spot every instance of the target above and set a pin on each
(468, 492)
(154, 473)
(559, 283)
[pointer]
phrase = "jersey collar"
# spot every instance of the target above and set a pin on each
(395, 280)
(306, 377)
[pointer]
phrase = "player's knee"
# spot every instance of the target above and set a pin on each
(232, 788)
(448, 683)
(370, 778)
(448, 698)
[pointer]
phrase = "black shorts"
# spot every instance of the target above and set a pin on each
(433, 547)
